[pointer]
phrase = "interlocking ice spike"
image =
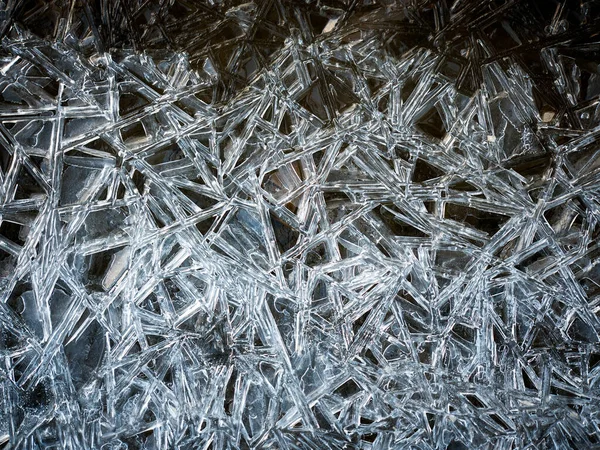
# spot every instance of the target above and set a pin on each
(299, 225)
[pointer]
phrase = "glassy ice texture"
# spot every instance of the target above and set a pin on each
(299, 225)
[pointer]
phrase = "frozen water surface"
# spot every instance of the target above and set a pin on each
(299, 225)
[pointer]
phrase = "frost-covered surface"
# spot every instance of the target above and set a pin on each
(299, 226)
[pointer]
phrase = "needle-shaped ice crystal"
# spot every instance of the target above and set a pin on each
(299, 225)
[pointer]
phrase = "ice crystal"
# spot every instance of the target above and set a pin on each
(299, 225)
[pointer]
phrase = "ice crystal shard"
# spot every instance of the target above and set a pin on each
(289, 225)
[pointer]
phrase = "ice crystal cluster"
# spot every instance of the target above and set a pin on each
(289, 224)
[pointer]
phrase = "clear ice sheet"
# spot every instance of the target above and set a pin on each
(299, 225)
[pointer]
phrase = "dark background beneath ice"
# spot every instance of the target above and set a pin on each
(294, 225)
